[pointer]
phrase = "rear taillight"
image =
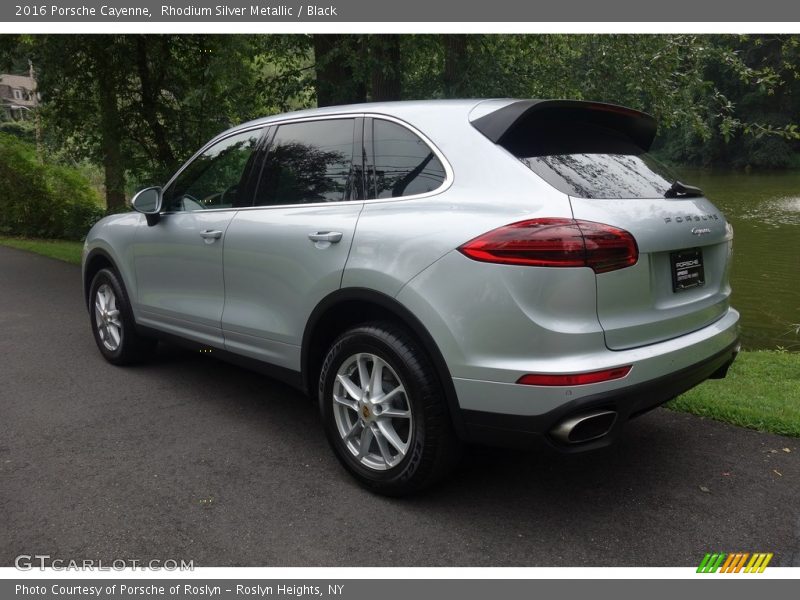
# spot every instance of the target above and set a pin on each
(555, 242)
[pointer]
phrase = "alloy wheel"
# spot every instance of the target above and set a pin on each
(372, 411)
(107, 317)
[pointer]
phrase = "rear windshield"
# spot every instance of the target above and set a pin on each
(589, 153)
(599, 175)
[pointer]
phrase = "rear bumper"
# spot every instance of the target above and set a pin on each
(628, 402)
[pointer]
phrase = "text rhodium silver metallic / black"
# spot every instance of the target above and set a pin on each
(431, 273)
(226, 10)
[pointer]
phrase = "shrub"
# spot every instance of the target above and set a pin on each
(40, 199)
(23, 130)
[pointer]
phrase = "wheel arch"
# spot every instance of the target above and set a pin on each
(348, 307)
(96, 260)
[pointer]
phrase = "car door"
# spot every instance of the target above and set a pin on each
(178, 259)
(288, 252)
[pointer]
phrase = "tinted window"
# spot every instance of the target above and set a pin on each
(588, 154)
(216, 177)
(403, 164)
(308, 162)
(603, 175)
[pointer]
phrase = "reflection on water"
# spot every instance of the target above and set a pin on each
(765, 212)
(776, 212)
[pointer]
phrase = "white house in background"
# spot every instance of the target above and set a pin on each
(18, 96)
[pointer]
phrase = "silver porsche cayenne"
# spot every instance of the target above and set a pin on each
(508, 272)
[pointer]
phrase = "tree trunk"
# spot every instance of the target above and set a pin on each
(151, 91)
(385, 67)
(455, 62)
(111, 130)
(337, 82)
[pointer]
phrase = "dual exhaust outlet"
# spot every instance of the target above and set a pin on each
(584, 427)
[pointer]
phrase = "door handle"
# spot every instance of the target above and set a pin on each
(211, 234)
(326, 236)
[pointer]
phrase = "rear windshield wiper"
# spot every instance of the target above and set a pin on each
(681, 190)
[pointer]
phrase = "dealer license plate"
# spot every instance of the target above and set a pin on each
(687, 269)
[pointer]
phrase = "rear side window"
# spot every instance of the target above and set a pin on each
(402, 164)
(307, 163)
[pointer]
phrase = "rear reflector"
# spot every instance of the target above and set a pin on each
(556, 242)
(575, 378)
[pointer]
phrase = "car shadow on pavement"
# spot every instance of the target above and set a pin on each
(672, 481)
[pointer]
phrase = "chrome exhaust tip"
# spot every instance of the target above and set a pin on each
(584, 427)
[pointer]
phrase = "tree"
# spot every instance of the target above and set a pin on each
(140, 105)
(455, 65)
(352, 69)
(755, 104)
(385, 68)
(338, 79)
(81, 99)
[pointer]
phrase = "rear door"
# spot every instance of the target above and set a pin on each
(288, 251)
(597, 154)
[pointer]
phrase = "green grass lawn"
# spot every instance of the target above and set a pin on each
(761, 391)
(61, 249)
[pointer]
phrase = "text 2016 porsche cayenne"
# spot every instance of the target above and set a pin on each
(432, 272)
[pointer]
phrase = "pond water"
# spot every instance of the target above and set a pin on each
(764, 209)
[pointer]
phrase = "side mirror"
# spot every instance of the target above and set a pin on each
(148, 202)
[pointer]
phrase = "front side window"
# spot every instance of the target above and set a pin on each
(216, 178)
(403, 165)
(307, 163)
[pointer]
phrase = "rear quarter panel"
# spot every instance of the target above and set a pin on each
(398, 238)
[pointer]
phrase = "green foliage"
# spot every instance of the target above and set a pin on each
(139, 105)
(749, 117)
(720, 100)
(42, 200)
(760, 392)
(284, 72)
(23, 130)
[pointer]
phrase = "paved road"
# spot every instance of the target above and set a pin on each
(188, 457)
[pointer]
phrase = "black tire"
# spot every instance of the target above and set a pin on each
(132, 347)
(433, 448)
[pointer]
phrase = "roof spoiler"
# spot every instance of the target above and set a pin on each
(506, 123)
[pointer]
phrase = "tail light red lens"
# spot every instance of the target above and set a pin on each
(556, 242)
(575, 378)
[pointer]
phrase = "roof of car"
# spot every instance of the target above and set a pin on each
(391, 108)
(496, 118)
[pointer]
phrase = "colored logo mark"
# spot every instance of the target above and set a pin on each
(735, 563)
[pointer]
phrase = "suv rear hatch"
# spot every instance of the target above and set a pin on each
(597, 154)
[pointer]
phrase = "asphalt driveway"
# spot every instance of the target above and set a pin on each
(187, 457)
